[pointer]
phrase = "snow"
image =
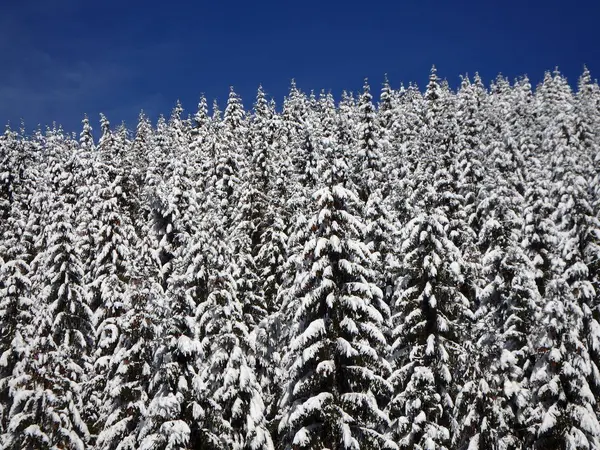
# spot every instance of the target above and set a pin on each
(549, 421)
(345, 348)
(302, 437)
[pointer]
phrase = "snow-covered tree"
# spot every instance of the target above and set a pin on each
(47, 400)
(336, 384)
(507, 304)
(229, 406)
(16, 310)
(431, 319)
(369, 167)
(126, 395)
(563, 404)
(169, 421)
(110, 273)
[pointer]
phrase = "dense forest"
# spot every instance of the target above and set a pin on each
(417, 272)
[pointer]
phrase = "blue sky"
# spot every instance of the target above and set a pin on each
(64, 58)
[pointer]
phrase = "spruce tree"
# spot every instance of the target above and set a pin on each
(336, 384)
(125, 399)
(110, 273)
(369, 153)
(168, 420)
(563, 404)
(229, 406)
(47, 401)
(431, 319)
(16, 310)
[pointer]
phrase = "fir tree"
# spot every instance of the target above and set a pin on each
(431, 318)
(110, 272)
(369, 153)
(230, 408)
(563, 404)
(125, 400)
(47, 401)
(336, 359)
(168, 419)
(16, 310)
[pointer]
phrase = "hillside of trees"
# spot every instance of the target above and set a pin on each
(420, 271)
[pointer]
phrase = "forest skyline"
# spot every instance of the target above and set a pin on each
(69, 58)
(188, 111)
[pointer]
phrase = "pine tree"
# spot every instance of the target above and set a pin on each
(336, 360)
(507, 304)
(386, 111)
(295, 110)
(580, 251)
(126, 395)
(369, 152)
(563, 404)
(110, 272)
(469, 161)
(230, 408)
(11, 170)
(253, 204)
(540, 237)
(431, 316)
(381, 235)
(87, 179)
(168, 420)
(47, 392)
(16, 310)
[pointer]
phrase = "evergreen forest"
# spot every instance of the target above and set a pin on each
(418, 270)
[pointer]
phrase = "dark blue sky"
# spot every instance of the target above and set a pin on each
(63, 58)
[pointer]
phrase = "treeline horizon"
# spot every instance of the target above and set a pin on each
(24, 129)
